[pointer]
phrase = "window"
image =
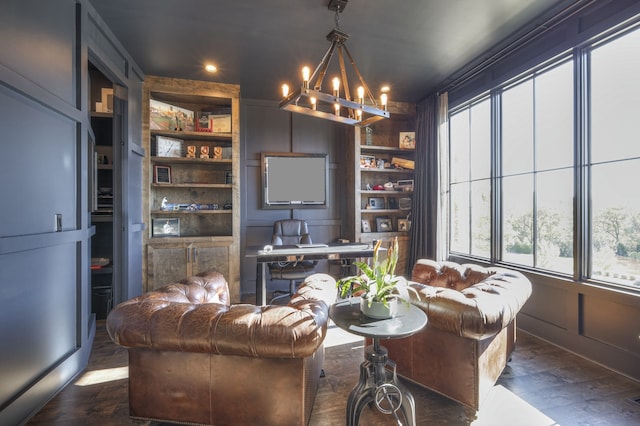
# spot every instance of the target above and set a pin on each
(537, 170)
(615, 159)
(526, 129)
(470, 130)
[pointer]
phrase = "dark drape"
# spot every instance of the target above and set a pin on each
(425, 197)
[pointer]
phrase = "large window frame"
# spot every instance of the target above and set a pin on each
(582, 220)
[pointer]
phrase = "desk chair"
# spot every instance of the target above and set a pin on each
(290, 232)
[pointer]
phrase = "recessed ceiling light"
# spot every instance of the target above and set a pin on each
(210, 68)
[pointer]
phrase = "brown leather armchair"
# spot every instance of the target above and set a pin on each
(195, 359)
(471, 329)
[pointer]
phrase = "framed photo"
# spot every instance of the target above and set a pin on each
(384, 224)
(376, 203)
(404, 225)
(162, 174)
(165, 227)
(163, 116)
(366, 226)
(367, 162)
(407, 140)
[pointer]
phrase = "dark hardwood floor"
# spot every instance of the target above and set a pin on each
(542, 385)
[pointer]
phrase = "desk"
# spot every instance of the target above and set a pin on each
(293, 253)
(376, 384)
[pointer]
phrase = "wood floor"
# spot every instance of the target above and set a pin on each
(543, 385)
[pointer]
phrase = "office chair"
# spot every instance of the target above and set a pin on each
(290, 232)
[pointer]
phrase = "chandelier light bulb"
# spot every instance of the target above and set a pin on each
(361, 94)
(336, 86)
(305, 76)
(285, 90)
(313, 103)
(336, 107)
(359, 114)
(383, 101)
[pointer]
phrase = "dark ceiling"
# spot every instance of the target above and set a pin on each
(414, 46)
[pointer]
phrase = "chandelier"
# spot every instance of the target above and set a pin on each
(361, 110)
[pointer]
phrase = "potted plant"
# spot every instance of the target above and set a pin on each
(380, 289)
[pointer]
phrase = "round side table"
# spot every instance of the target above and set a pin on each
(377, 384)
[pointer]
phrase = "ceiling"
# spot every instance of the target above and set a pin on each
(414, 46)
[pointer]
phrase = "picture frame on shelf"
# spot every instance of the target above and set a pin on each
(376, 203)
(165, 227)
(162, 174)
(164, 116)
(367, 162)
(366, 225)
(407, 140)
(404, 225)
(384, 224)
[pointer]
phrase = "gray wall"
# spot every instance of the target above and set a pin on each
(46, 327)
(266, 128)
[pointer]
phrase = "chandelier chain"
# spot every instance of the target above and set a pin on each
(337, 18)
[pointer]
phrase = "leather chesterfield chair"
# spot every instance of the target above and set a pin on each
(195, 359)
(471, 329)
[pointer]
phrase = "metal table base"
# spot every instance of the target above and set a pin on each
(379, 385)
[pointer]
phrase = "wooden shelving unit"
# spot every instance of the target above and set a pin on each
(201, 195)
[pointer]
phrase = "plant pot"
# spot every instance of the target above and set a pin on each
(378, 310)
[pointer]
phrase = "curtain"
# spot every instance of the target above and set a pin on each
(429, 218)
(442, 220)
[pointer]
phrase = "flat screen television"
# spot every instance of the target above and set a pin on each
(294, 180)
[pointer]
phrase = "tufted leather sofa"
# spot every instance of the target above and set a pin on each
(196, 359)
(471, 329)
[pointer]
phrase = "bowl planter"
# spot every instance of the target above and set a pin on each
(379, 310)
(378, 284)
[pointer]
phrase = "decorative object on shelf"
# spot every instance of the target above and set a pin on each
(383, 224)
(166, 206)
(191, 151)
(389, 186)
(217, 152)
(404, 225)
(368, 140)
(377, 284)
(392, 203)
(162, 174)
(312, 101)
(106, 100)
(204, 151)
(402, 163)
(376, 203)
(228, 178)
(405, 185)
(168, 147)
(366, 226)
(163, 116)
(166, 227)
(407, 140)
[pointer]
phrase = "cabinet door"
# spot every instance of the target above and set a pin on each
(166, 265)
(206, 258)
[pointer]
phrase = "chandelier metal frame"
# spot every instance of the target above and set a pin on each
(310, 100)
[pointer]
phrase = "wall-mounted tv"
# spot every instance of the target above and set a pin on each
(294, 180)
